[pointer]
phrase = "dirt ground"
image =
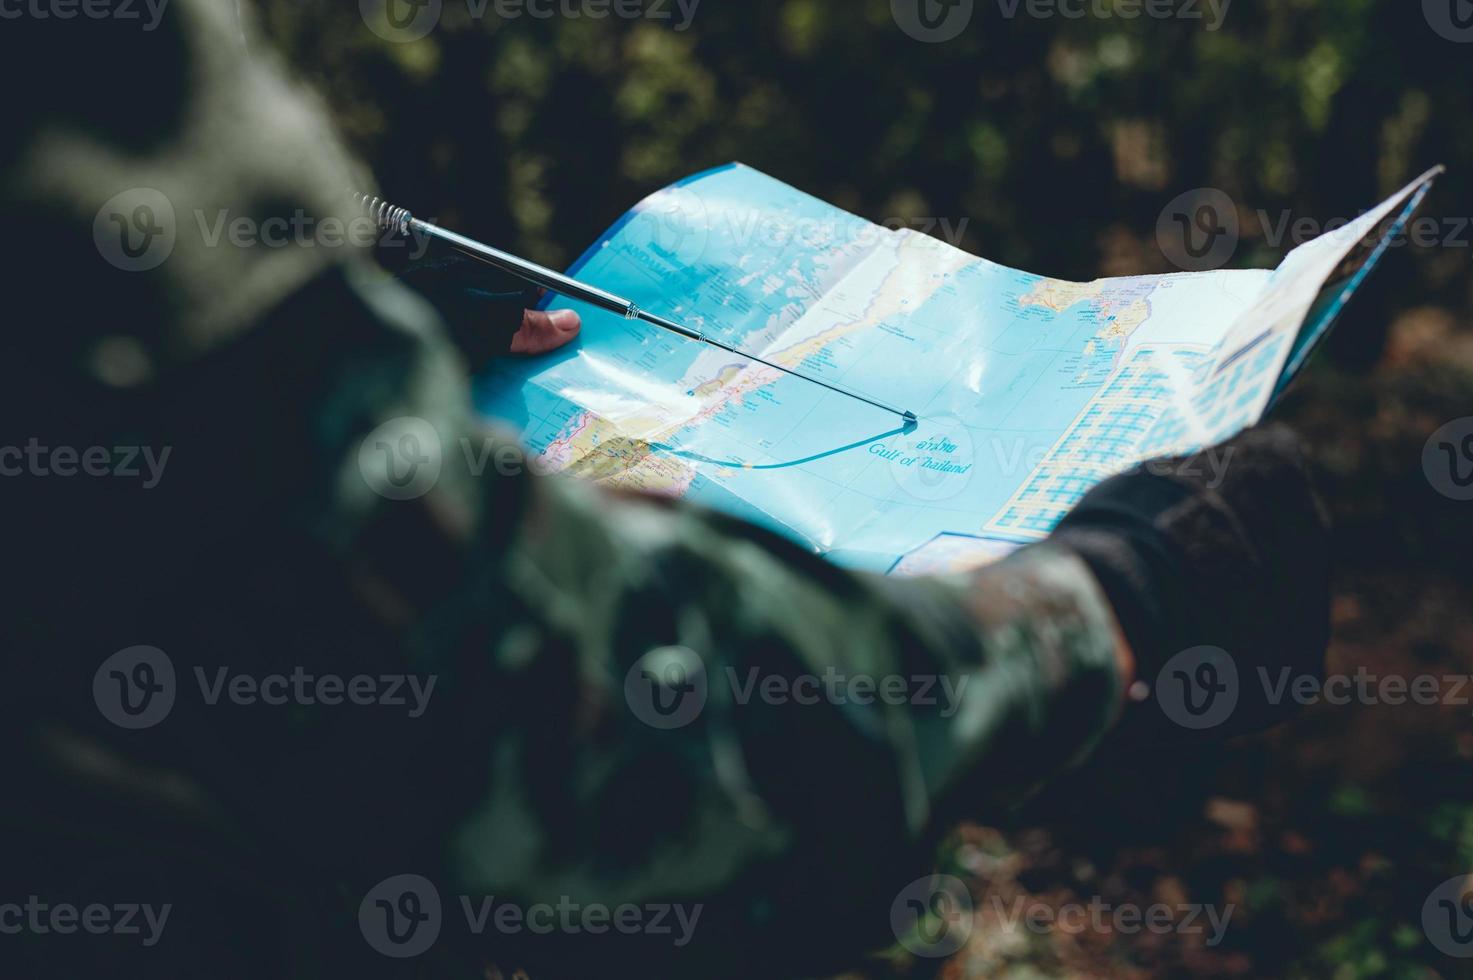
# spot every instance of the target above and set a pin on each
(1314, 845)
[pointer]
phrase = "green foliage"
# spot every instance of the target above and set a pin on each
(1452, 823)
(1058, 140)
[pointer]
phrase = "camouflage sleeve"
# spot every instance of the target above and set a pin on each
(671, 706)
(612, 701)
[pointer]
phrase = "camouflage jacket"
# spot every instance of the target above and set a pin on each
(275, 644)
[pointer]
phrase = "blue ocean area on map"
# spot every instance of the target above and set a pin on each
(1027, 390)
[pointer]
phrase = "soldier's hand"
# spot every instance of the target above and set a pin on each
(541, 331)
(1225, 550)
(485, 317)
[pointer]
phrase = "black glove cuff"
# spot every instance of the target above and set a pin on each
(1217, 565)
(479, 318)
(1141, 572)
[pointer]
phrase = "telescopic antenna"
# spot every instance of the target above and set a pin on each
(399, 220)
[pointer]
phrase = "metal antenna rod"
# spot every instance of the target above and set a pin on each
(400, 220)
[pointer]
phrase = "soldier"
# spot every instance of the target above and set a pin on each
(550, 632)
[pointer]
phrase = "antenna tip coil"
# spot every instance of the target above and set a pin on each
(384, 214)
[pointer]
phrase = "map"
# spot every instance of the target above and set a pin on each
(1027, 390)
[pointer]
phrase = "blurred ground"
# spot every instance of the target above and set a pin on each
(1055, 143)
(1327, 834)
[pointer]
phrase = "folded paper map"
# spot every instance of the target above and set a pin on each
(1028, 390)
